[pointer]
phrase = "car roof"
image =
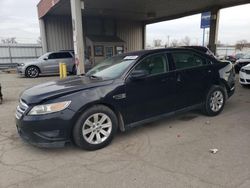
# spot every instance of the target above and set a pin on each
(199, 49)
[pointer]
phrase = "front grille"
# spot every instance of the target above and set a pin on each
(21, 109)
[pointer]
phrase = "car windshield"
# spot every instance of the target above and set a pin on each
(44, 56)
(112, 67)
(246, 56)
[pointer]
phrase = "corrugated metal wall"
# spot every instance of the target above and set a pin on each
(60, 37)
(15, 53)
(131, 33)
(59, 33)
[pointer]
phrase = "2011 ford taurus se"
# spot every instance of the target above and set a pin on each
(123, 92)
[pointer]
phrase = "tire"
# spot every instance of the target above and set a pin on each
(90, 133)
(215, 101)
(32, 72)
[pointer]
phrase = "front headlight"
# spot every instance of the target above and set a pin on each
(21, 64)
(242, 70)
(49, 108)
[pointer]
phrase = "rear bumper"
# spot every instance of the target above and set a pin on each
(231, 92)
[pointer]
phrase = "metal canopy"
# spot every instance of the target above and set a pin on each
(149, 11)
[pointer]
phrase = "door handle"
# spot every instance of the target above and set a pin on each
(179, 78)
(163, 80)
(209, 71)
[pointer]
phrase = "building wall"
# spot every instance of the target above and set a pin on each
(59, 33)
(132, 34)
(60, 36)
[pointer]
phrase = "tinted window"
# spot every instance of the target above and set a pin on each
(63, 55)
(155, 64)
(184, 60)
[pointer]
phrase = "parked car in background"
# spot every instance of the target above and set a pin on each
(231, 58)
(245, 60)
(123, 92)
(244, 76)
(47, 64)
(239, 55)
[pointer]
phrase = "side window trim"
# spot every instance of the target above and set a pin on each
(191, 52)
(167, 67)
(56, 55)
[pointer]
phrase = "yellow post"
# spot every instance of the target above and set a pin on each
(61, 70)
(64, 70)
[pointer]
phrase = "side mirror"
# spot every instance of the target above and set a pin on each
(139, 74)
(45, 59)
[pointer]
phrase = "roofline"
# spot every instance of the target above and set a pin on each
(44, 6)
(190, 13)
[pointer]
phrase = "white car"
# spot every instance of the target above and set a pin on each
(245, 75)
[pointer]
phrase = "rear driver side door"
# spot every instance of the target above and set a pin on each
(194, 75)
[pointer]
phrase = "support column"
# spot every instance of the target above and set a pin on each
(214, 27)
(43, 35)
(76, 12)
(143, 36)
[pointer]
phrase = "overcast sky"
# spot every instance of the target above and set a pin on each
(18, 18)
(234, 26)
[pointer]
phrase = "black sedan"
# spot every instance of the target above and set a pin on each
(123, 92)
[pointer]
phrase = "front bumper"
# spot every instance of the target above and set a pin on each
(49, 131)
(20, 70)
(244, 78)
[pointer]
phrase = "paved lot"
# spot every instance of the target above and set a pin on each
(167, 153)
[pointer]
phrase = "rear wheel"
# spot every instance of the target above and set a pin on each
(96, 128)
(215, 101)
(32, 72)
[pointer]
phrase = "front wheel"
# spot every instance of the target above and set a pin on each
(96, 128)
(32, 72)
(215, 101)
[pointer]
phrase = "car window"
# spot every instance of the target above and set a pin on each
(246, 56)
(112, 67)
(155, 64)
(63, 55)
(184, 60)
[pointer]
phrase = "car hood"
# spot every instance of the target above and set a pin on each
(30, 62)
(247, 67)
(243, 60)
(54, 89)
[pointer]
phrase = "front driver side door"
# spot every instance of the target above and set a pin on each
(153, 95)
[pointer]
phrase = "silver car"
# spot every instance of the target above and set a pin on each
(47, 64)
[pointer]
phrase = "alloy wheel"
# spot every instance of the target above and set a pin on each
(32, 72)
(97, 128)
(216, 101)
